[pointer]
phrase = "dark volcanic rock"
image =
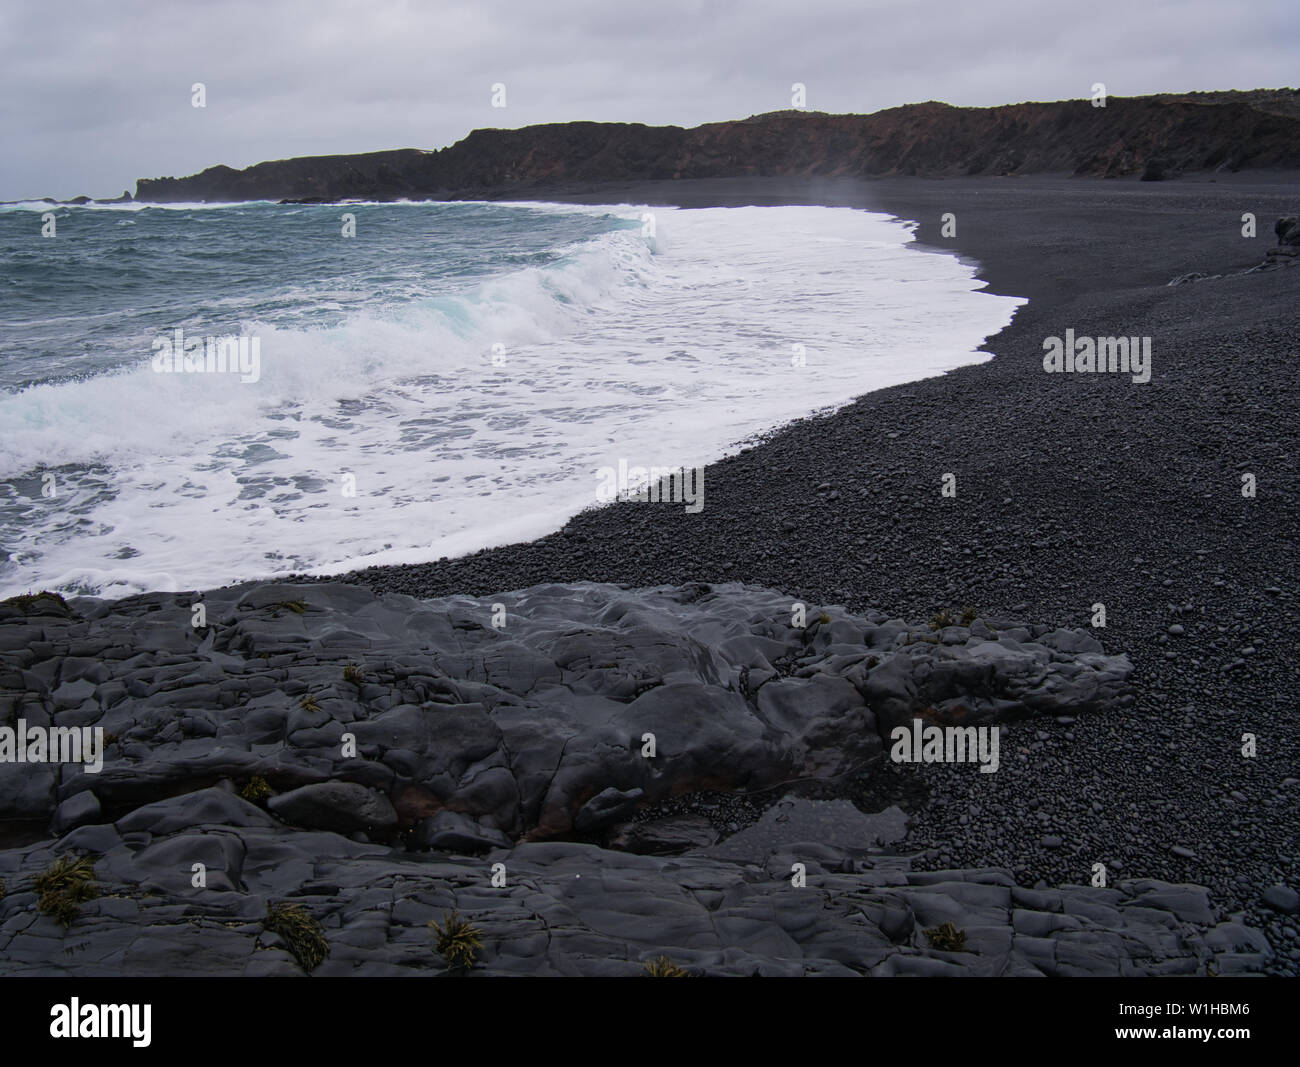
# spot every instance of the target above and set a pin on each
(562, 908)
(605, 808)
(666, 836)
(342, 806)
(1152, 136)
(454, 832)
(592, 701)
(1285, 254)
(79, 808)
(1287, 251)
(1282, 898)
(1156, 170)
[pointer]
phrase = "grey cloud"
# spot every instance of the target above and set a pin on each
(98, 96)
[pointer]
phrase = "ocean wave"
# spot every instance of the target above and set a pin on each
(134, 410)
(463, 418)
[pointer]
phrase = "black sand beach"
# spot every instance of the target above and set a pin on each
(1073, 490)
(383, 762)
(453, 526)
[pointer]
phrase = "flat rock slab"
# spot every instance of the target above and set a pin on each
(342, 806)
(665, 836)
(559, 713)
(561, 908)
(826, 822)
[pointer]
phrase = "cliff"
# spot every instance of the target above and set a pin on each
(1150, 137)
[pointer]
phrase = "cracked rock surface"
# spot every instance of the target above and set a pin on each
(374, 714)
(410, 747)
(576, 909)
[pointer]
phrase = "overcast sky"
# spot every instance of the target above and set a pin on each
(94, 94)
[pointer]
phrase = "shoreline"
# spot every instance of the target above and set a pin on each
(1114, 493)
(1072, 490)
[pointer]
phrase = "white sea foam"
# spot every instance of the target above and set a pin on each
(668, 351)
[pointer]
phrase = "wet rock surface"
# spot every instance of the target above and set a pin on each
(567, 908)
(370, 714)
(410, 755)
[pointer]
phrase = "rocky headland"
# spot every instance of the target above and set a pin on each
(1151, 137)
